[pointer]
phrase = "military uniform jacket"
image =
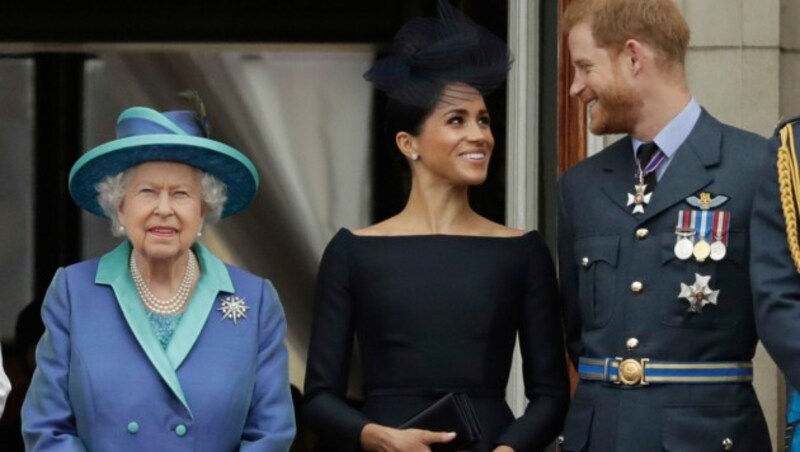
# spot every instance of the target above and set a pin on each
(620, 281)
(774, 277)
(104, 383)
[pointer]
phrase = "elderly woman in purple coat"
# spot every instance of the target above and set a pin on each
(159, 345)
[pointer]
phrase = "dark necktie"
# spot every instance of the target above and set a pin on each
(645, 155)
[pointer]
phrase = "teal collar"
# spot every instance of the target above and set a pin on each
(113, 270)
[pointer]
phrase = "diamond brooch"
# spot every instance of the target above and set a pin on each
(233, 308)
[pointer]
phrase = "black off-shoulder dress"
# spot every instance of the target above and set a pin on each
(432, 314)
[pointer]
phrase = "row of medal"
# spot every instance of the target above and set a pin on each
(702, 234)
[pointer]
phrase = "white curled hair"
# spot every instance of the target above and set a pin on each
(215, 195)
(111, 190)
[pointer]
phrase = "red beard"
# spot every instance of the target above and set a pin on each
(614, 111)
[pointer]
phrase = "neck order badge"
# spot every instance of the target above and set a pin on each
(648, 159)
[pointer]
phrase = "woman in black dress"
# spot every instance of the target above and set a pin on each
(437, 294)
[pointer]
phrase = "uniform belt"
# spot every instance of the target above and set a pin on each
(644, 371)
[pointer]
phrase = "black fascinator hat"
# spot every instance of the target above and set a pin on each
(431, 52)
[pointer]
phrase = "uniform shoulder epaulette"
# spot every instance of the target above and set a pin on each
(783, 122)
(789, 184)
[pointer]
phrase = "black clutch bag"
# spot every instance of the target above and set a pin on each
(451, 413)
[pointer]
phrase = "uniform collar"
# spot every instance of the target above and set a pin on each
(673, 135)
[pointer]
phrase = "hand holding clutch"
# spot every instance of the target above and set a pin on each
(388, 439)
(451, 413)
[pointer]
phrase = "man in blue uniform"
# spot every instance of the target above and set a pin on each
(775, 263)
(653, 246)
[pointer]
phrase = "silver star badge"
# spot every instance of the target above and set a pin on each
(640, 199)
(233, 308)
(699, 294)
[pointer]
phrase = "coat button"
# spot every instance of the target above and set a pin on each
(180, 430)
(637, 287)
(133, 427)
(727, 444)
(632, 344)
(585, 262)
(642, 233)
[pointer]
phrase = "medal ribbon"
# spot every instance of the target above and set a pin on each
(652, 165)
(702, 217)
(681, 220)
(686, 223)
(721, 224)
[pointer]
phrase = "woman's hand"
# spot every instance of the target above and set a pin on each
(376, 437)
(503, 449)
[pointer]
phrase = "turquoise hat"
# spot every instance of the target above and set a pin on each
(145, 135)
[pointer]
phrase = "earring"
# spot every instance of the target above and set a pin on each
(121, 229)
(414, 156)
(199, 234)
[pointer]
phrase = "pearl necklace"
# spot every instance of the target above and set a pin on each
(175, 304)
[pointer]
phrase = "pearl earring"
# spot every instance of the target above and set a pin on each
(414, 156)
(199, 234)
(121, 229)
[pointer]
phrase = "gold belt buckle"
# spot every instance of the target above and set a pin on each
(631, 371)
